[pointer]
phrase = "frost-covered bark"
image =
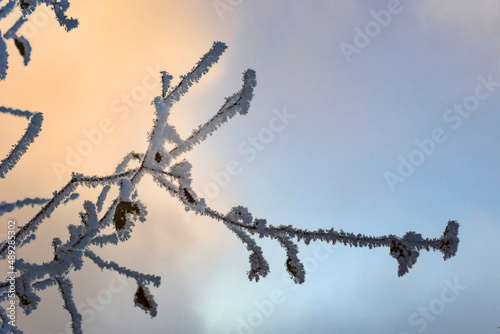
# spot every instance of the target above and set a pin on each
(34, 127)
(8, 207)
(172, 173)
(22, 44)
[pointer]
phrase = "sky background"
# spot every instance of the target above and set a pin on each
(353, 121)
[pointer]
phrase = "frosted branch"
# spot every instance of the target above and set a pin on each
(65, 287)
(119, 169)
(110, 265)
(6, 328)
(4, 55)
(29, 136)
(237, 103)
(8, 207)
(27, 8)
(201, 68)
(175, 177)
(5, 10)
(60, 7)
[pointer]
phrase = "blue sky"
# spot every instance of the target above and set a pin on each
(351, 122)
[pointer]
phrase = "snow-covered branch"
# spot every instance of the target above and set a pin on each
(66, 287)
(34, 128)
(175, 177)
(8, 207)
(27, 7)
